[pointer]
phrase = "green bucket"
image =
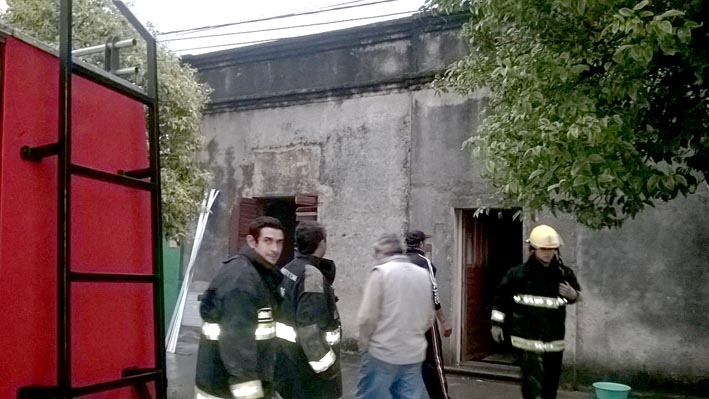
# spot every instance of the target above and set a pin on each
(611, 390)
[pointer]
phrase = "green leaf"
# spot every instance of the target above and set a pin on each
(581, 7)
(667, 45)
(680, 181)
(641, 5)
(684, 33)
(605, 178)
(596, 158)
(626, 12)
(581, 181)
(580, 68)
(619, 53)
(665, 26)
(536, 173)
(668, 182)
(645, 54)
(653, 183)
(670, 13)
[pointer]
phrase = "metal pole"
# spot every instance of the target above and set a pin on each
(63, 217)
(102, 47)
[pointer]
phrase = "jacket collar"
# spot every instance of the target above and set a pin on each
(253, 257)
(326, 266)
(414, 250)
(393, 258)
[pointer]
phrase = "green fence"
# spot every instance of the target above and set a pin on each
(171, 256)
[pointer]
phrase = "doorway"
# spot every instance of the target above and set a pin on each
(491, 245)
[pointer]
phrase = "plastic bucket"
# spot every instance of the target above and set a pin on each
(611, 390)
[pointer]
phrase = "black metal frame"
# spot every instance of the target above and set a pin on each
(65, 277)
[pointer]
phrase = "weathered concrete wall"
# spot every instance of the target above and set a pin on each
(644, 309)
(441, 175)
(347, 116)
(353, 154)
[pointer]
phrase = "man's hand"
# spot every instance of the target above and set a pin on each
(443, 323)
(447, 329)
(568, 292)
(497, 334)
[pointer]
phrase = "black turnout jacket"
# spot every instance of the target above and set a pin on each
(237, 345)
(308, 364)
(529, 295)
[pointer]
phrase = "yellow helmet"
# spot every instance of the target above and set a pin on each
(544, 236)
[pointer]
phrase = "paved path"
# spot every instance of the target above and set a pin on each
(181, 366)
(181, 377)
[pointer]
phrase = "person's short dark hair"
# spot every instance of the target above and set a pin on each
(413, 237)
(388, 245)
(262, 222)
(308, 236)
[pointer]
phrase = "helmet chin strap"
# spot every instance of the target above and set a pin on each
(557, 255)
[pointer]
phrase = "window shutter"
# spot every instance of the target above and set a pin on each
(242, 213)
(307, 208)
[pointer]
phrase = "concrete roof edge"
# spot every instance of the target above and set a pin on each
(324, 41)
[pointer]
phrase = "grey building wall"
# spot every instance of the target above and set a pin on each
(645, 303)
(348, 116)
(441, 178)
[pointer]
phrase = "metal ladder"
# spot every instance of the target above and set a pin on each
(137, 378)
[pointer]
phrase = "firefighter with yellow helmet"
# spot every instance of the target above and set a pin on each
(531, 303)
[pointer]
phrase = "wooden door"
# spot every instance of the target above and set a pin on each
(243, 212)
(492, 243)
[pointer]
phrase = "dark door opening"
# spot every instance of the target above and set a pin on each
(492, 244)
(289, 210)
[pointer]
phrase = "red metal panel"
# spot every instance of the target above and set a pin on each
(28, 215)
(110, 230)
(110, 224)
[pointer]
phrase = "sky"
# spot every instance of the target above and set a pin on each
(181, 15)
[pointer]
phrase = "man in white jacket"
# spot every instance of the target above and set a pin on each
(395, 313)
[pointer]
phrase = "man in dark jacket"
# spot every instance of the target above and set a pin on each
(237, 351)
(308, 365)
(534, 295)
(432, 370)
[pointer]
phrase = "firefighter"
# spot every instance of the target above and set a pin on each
(308, 365)
(533, 298)
(236, 356)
